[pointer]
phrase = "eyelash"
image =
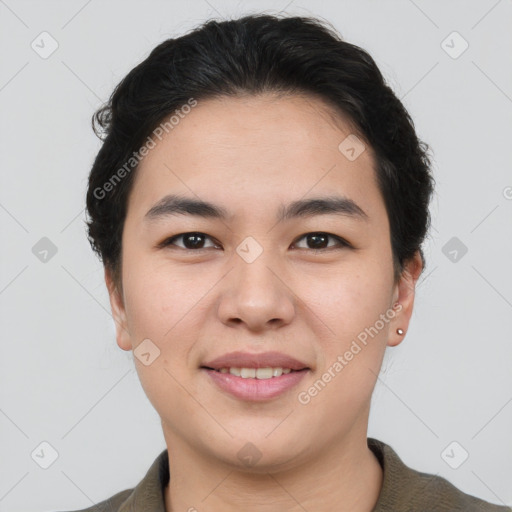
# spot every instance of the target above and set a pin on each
(342, 244)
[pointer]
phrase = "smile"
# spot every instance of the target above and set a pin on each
(255, 373)
(255, 384)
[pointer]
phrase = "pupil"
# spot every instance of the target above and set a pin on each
(197, 243)
(196, 240)
(316, 238)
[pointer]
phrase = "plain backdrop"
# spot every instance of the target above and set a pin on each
(63, 379)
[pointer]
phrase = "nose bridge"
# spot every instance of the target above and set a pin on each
(254, 292)
(253, 274)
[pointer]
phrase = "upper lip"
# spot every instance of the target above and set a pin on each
(261, 360)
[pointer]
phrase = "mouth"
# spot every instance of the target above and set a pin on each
(248, 361)
(265, 373)
(253, 376)
(255, 384)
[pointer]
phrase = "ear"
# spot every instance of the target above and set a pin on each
(403, 294)
(118, 312)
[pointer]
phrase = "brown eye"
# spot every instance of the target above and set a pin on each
(191, 241)
(320, 240)
(195, 241)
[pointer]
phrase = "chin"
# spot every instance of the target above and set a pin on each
(253, 452)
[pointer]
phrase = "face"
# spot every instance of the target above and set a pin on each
(312, 282)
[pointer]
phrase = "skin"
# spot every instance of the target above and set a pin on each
(250, 155)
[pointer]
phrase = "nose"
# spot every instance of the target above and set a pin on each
(256, 295)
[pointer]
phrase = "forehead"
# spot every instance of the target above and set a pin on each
(242, 150)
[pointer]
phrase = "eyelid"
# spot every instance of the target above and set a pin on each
(341, 242)
(169, 241)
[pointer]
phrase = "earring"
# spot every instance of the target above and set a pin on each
(399, 331)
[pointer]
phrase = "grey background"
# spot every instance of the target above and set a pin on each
(63, 379)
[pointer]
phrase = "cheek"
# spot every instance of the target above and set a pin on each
(350, 298)
(158, 311)
(353, 347)
(156, 297)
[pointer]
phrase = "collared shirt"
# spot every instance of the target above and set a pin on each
(403, 489)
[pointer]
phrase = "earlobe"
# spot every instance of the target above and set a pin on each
(404, 300)
(118, 312)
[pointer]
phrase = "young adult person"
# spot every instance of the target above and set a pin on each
(259, 203)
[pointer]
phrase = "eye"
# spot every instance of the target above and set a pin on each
(191, 241)
(319, 241)
(195, 241)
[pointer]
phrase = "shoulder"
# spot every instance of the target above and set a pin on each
(437, 493)
(405, 489)
(112, 504)
(147, 495)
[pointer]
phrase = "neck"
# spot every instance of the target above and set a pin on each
(347, 477)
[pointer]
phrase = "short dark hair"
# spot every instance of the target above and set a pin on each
(252, 55)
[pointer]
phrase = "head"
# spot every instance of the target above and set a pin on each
(318, 191)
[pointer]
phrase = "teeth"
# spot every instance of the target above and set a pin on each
(258, 373)
(247, 373)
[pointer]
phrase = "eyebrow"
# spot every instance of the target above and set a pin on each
(177, 205)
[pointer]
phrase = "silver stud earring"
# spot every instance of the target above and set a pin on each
(399, 331)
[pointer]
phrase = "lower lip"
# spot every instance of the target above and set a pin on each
(256, 390)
